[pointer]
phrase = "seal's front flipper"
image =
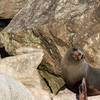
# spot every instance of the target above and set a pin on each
(83, 90)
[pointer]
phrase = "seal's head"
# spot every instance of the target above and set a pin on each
(76, 54)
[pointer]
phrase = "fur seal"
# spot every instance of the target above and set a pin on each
(75, 67)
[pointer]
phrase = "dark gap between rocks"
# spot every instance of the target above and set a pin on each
(48, 85)
(4, 23)
(3, 53)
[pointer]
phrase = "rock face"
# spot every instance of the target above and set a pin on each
(11, 89)
(8, 8)
(23, 67)
(55, 25)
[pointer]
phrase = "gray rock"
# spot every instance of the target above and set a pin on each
(11, 89)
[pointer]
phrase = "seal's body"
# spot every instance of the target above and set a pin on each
(75, 67)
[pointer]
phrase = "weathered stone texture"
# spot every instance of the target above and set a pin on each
(8, 8)
(23, 67)
(55, 25)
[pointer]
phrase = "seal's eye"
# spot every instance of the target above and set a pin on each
(74, 49)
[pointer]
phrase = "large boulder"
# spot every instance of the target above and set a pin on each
(23, 67)
(11, 89)
(55, 25)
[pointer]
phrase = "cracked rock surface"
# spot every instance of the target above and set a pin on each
(54, 26)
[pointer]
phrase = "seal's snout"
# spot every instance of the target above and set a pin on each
(76, 53)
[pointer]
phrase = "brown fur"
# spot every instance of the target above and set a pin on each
(75, 67)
